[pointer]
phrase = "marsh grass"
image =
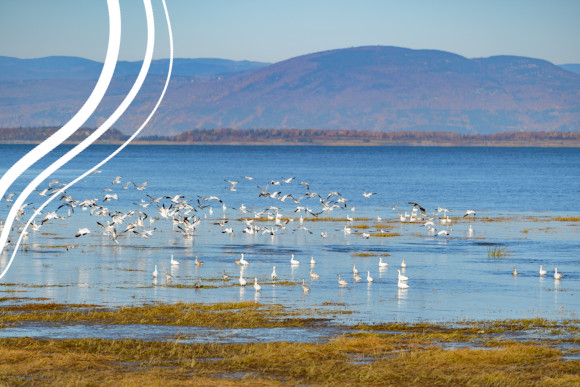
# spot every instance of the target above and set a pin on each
(383, 354)
(227, 315)
(388, 361)
(496, 251)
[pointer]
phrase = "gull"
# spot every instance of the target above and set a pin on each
(381, 263)
(225, 276)
(288, 180)
(248, 178)
(140, 187)
(557, 275)
(542, 271)
(324, 234)
(243, 261)
(173, 261)
(82, 231)
(293, 261)
(417, 206)
(341, 282)
(443, 210)
(273, 275)
(263, 192)
(347, 230)
(366, 235)
(228, 230)
(304, 228)
(233, 185)
(354, 269)
(369, 278)
(174, 199)
(44, 191)
(469, 213)
(256, 284)
(109, 197)
(443, 233)
(52, 183)
(401, 277)
(198, 262)
(305, 288)
(210, 198)
(357, 277)
(514, 272)
(403, 264)
(117, 180)
(243, 282)
(402, 285)
(155, 272)
(158, 200)
(306, 185)
(394, 208)
(8, 197)
(274, 182)
(313, 275)
(312, 261)
(369, 194)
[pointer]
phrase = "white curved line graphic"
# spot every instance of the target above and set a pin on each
(71, 126)
(112, 154)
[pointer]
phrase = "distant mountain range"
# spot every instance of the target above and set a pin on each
(366, 88)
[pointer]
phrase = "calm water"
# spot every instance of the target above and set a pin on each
(451, 278)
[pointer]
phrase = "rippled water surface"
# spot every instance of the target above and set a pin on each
(518, 194)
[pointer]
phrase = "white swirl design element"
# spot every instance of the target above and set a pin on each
(150, 26)
(72, 125)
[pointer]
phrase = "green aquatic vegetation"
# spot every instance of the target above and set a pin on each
(496, 251)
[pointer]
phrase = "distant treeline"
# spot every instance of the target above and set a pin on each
(310, 136)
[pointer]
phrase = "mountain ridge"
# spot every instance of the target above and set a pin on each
(373, 88)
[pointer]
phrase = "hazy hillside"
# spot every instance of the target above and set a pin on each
(65, 67)
(573, 67)
(367, 88)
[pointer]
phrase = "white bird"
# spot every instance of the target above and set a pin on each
(356, 277)
(369, 194)
(469, 213)
(313, 275)
(542, 271)
(82, 231)
(402, 285)
(198, 262)
(557, 275)
(381, 263)
(256, 285)
(354, 269)
(401, 277)
(305, 288)
(273, 275)
(225, 276)
(293, 261)
(366, 235)
(312, 261)
(470, 231)
(173, 261)
(403, 264)
(243, 261)
(341, 282)
(243, 282)
(347, 230)
(155, 272)
(369, 278)
(514, 272)
(443, 233)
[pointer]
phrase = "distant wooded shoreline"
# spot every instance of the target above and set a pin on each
(307, 137)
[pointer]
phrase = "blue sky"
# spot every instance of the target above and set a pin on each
(273, 30)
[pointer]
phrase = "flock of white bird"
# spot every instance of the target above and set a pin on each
(186, 217)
